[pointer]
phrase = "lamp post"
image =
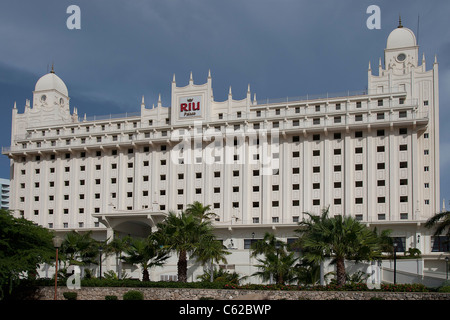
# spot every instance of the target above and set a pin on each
(57, 241)
(100, 249)
(395, 262)
(446, 268)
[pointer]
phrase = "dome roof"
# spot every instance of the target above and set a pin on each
(51, 81)
(400, 38)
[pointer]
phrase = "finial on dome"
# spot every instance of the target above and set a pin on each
(400, 21)
(53, 70)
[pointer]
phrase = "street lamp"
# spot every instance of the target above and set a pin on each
(57, 241)
(100, 249)
(446, 268)
(395, 262)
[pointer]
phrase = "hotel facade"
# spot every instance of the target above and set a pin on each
(260, 165)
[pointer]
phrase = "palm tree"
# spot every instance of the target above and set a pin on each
(338, 237)
(441, 221)
(183, 234)
(80, 248)
(147, 253)
(277, 261)
(117, 246)
(209, 250)
(199, 210)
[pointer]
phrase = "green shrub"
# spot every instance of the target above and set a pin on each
(414, 287)
(133, 295)
(111, 297)
(70, 295)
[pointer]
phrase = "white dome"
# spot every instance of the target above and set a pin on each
(51, 81)
(401, 38)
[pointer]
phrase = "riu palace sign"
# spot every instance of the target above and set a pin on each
(190, 106)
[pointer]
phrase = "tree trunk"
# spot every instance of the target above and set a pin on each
(182, 266)
(340, 272)
(145, 275)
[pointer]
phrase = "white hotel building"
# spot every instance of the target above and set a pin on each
(373, 155)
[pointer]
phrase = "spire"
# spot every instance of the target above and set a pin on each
(229, 91)
(173, 80)
(159, 100)
(400, 21)
(53, 70)
(248, 88)
(369, 67)
(142, 102)
(191, 80)
(15, 107)
(209, 73)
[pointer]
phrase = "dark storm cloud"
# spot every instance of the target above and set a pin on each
(126, 49)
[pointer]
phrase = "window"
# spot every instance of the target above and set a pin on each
(380, 102)
(275, 187)
(403, 164)
(358, 167)
(381, 216)
(403, 131)
(358, 117)
(426, 168)
(381, 183)
(255, 204)
(316, 153)
(380, 116)
(381, 199)
(400, 242)
(275, 219)
(255, 173)
(295, 203)
(402, 114)
(380, 133)
(358, 134)
(316, 137)
(295, 154)
(380, 165)
(359, 150)
(404, 199)
(358, 184)
(358, 200)
(337, 168)
(316, 169)
(316, 202)
(316, 121)
(404, 216)
(403, 147)
(316, 185)
(337, 119)
(337, 136)
(440, 244)
(337, 201)
(403, 182)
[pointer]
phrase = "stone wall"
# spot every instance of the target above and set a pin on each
(99, 293)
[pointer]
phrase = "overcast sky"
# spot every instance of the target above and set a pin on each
(126, 49)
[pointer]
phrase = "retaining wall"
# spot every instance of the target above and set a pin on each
(99, 293)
